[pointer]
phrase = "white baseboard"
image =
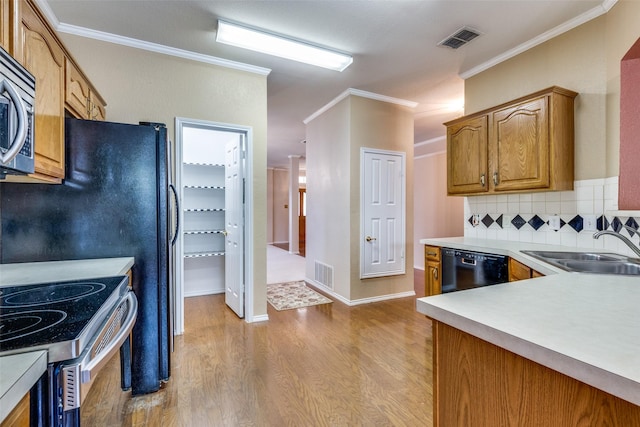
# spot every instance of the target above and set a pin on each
(203, 292)
(358, 301)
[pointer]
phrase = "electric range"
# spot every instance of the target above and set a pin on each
(81, 324)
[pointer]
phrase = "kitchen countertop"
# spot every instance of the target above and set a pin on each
(18, 373)
(585, 326)
(54, 271)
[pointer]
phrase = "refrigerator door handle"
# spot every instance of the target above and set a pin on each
(175, 197)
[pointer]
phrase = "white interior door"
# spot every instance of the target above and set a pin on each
(234, 226)
(382, 213)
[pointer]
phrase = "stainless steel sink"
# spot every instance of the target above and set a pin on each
(589, 262)
(605, 267)
(578, 256)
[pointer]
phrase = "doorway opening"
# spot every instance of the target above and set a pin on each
(213, 245)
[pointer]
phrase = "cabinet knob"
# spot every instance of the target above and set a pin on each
(482, 180)
(495, 178)
(435, 273)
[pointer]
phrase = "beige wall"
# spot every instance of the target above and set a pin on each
(435, 214)
(144, 86)
(328, 194)
(280, 223)
(384, 126)
(334, 140)
(586, 60)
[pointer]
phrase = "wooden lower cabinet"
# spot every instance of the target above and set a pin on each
(476, 383)
(432, 271)
(19, 416)
(519, 271)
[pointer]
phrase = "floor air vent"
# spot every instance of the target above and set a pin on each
(461, 37)
(324, 274)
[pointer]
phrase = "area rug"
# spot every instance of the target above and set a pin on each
(289, 295)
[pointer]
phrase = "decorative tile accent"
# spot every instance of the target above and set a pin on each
(499, 221)
(576, 223)
(616, 224)
(536, 222)
(602, 223)
(487, 221)
(518, 222)
(471, 221)
(633, 224)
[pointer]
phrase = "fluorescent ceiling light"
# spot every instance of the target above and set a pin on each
(271, 44)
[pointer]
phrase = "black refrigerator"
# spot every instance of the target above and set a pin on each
(113, 202)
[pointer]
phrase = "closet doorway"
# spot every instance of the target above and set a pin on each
(211, 171)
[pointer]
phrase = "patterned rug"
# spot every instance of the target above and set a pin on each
(289, 295)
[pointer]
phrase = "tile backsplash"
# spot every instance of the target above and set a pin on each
(579, 213)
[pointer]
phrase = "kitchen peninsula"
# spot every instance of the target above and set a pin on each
(560, 350)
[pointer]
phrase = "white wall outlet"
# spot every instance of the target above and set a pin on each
(506, 221)
(589, 223)
(475, 220)
(554, 222)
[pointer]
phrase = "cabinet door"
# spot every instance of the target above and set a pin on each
(467, 156)
(40, 53)
(433, 282)
(5, 21)
(518, 271)
(76, 91)
(519, 148)
(97, 109)
(432, 271)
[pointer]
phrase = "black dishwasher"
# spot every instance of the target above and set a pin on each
(466, 270)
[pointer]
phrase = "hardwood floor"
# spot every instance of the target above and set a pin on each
(326, 365)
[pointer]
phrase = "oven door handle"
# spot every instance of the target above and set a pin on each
(89, 370)
(77, 376)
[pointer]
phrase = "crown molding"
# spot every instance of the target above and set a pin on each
(61, 27)
(158, 48)
(430, 141)
(548, 35)
(362, 94)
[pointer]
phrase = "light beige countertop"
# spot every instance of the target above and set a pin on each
(586, 326)
(54, 271)
(18, 373)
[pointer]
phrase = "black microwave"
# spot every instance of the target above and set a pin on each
(17, 97)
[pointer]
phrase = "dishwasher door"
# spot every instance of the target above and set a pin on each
(467, 270)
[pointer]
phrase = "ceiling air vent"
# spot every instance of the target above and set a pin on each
(461, 37)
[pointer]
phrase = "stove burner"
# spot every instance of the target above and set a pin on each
(18, 325)
(48, 294)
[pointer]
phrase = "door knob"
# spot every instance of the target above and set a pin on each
(370, 239)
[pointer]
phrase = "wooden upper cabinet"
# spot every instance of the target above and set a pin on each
(60, 85)
(529, 146)
(5, 26)
(39, 51)
(467, 156)
(81, 100)
(520, 146)
(76, 93)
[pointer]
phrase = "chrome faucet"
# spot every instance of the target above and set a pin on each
(626, 240)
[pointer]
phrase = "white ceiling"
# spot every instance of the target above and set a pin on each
(393, 42)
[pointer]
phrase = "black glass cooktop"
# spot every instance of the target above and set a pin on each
(46, 314)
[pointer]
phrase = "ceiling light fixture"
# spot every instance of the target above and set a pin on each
(261, 41)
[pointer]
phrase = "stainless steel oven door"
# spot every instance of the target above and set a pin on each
(78, 374)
